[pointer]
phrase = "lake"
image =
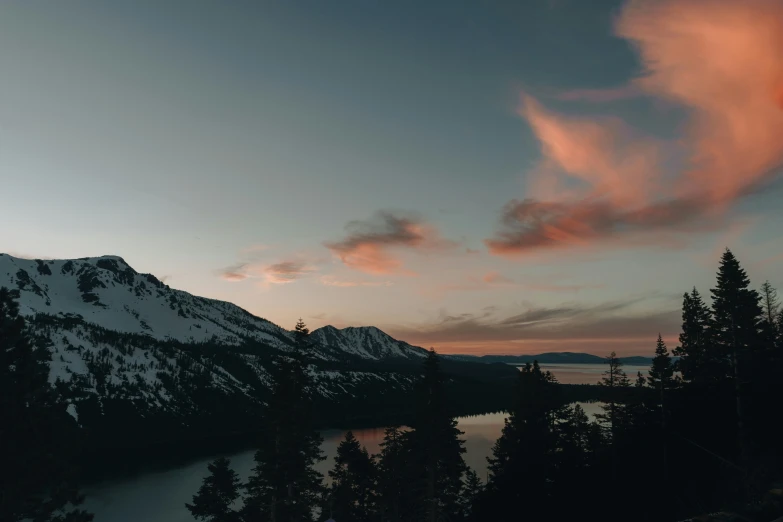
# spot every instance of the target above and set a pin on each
(161, 496)
(588, 373)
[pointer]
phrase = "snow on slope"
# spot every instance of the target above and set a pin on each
(119, 335)
(367, 342)
(106, 291)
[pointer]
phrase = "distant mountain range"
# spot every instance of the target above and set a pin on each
(554, 358)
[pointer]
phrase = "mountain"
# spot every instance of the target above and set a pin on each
(556, 358)
(140, 361)
(367, 342)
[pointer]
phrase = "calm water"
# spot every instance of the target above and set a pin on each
(588, 373)
(161, 496)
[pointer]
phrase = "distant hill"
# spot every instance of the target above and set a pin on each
(554, 358)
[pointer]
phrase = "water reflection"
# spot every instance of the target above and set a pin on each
(161, 496)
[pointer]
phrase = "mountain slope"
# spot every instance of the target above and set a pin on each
(367, 342)
(132, 354)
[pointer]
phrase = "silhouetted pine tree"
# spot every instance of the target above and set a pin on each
(216, 497)
(436, 449)
(351, 497)
(614, 414)
(37, 436)
(395, 495)
(661, 372)
(284, 485)
(472, 488)
(522, 462)
(695, 350)
(735, 330)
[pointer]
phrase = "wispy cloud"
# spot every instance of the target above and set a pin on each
(494, 280)
(287, 271)
(557, 326)
(603, 182)
(234, 273)
(373, 246)
(344, 283)
(276, 273)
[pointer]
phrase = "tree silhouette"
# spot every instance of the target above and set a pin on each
(284, 486)
(217, 495)
(436, 447)
(735, 326)
(37, 436)
(352, 494)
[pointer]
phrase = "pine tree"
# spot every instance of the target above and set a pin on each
(472, 488)
(615, 416)
(662, 370)
(436, 447)
(770, 329)
(36, 433)
(394, 486)
(614, 411)
(217, 495)
(697, 361)
(522, 462)
(351, 497)
(284, 486)
(736, 317)
(769, 303)
(641, 381)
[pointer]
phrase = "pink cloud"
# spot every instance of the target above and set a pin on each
(275, 273)
(234, 273)
(602, 182)
(286, 271)
(333, 281)
(496, 278)
(373, 246)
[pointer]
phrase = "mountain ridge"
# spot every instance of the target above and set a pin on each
(136, 359)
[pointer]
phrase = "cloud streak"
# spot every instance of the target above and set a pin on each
(373, 246)
(343, 283)
(553, 328)
(276, 273)
(600, 181)
(286, 271)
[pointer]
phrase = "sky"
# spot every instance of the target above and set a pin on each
(477, 177)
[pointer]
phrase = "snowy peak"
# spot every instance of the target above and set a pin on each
(106, 291)
(367, 342)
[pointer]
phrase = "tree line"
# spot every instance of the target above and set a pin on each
(690, 436)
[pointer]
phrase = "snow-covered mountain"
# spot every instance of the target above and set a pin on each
(127, 341)
(367, 342)
(105, 291)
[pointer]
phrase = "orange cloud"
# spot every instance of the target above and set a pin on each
(567, 326)
(234, 273)
(276, 273)
(333, 281)
(600, 181)
(372, 246)
(496, 278)
(286, 271)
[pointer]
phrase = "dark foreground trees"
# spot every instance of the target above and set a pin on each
(37, 435)
(215, 500)
(696, 434)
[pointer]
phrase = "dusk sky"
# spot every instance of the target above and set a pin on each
(480, 177)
